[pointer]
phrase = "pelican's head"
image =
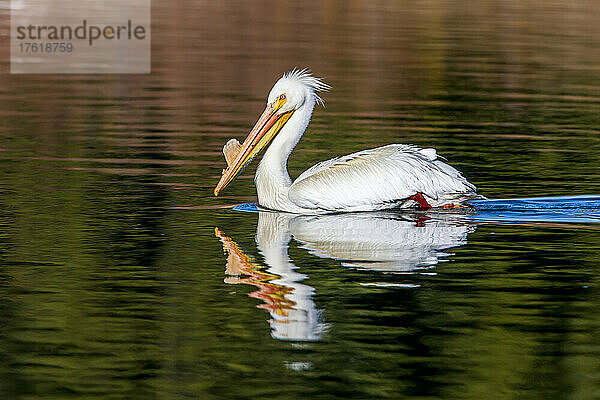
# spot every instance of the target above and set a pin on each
(295, 89)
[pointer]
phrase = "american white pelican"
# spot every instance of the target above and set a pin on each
(391, 176)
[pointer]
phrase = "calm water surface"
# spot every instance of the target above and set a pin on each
(122, 277)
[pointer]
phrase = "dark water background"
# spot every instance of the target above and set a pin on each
(112, 279)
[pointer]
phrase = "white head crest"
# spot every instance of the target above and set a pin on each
(296, 84)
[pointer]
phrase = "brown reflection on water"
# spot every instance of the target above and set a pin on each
(434, 74)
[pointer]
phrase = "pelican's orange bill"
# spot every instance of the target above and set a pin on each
(265, 129)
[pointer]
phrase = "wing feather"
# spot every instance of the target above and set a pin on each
(374, 178)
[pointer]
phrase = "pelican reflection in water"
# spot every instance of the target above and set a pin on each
(392, 176)
(380, 241)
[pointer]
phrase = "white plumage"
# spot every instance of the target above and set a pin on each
(375, 179)
(380, 178)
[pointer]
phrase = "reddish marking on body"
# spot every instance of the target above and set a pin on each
(423, 204)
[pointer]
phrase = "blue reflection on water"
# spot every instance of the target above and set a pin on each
(535, 209)
(539, 209)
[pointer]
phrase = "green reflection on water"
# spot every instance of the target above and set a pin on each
(112, 281)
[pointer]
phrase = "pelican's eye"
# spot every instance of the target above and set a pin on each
(282, 97)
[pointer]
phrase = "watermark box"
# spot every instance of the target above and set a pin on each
(80, 36)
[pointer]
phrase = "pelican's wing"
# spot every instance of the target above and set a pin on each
(378, 177)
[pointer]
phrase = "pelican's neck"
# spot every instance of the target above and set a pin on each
(272, 178)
